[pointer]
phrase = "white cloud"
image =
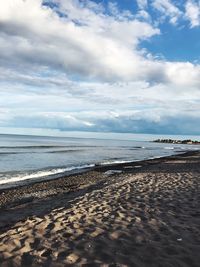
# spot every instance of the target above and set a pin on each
(86, 43)
(142, 4)
(185, 74)
(63, 43)
(168, 9)
(193, 13)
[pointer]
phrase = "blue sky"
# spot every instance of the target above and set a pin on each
(100, 66)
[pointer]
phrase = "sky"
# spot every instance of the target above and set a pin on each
(100, 66)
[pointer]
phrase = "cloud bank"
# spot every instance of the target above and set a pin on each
(78, 65)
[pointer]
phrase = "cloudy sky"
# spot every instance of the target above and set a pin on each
(122, 66)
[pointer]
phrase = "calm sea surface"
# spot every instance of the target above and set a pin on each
(31, 157)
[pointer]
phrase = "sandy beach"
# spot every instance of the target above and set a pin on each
(141, 214)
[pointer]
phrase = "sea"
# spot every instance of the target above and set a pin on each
(25, 158)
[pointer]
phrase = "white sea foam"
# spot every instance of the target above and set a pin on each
(110, 162)
(40, 174)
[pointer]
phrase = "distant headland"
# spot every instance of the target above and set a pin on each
(171, 141)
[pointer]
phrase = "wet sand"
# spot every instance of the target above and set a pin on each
(148, 214)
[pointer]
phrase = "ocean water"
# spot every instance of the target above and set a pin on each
(27, 158)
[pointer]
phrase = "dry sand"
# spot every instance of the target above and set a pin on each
(148, 216)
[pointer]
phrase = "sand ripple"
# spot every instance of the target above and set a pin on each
(146, 219)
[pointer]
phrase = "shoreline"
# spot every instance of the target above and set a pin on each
(25, 192)
(36, 191)
(98, 218)
(76, 171)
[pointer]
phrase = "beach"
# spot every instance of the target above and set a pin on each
(139, 214)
